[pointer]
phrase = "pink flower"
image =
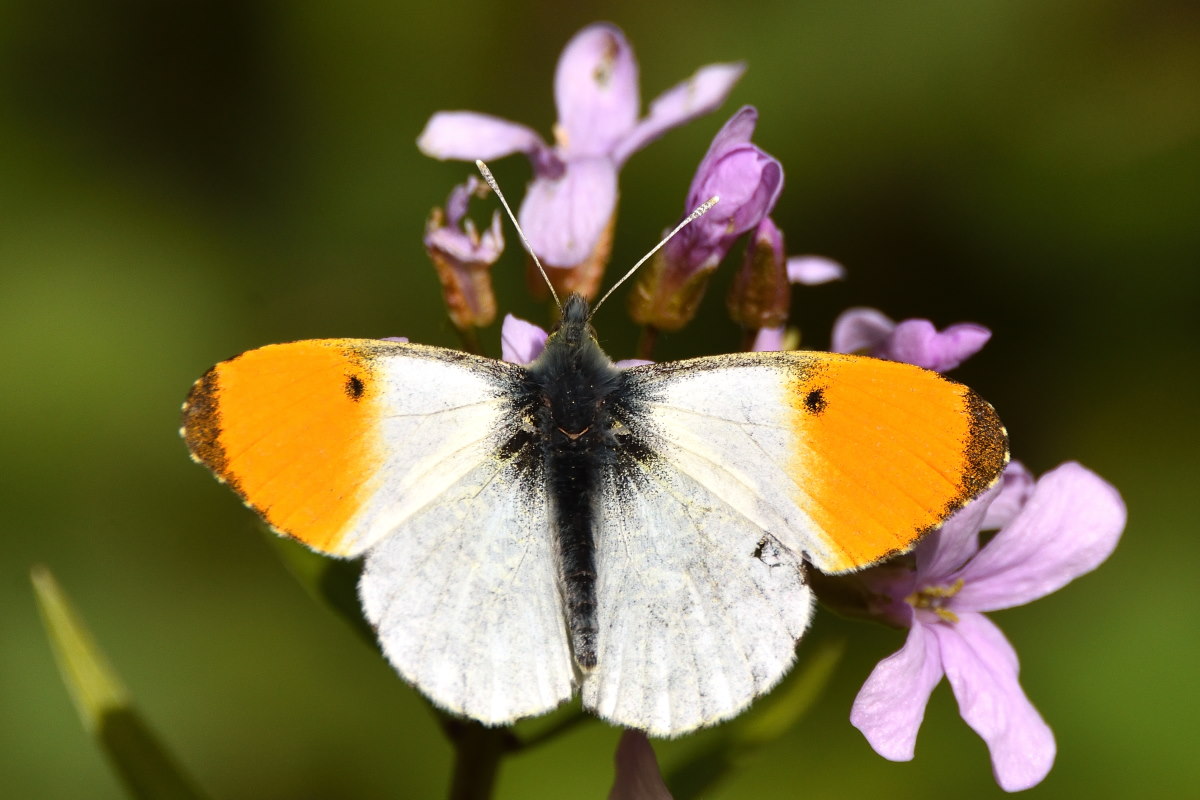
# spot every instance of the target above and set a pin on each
(522, 342)
(1049, 534)
(464, 257)
(813, 270)
(637, 773)
(913, 341)
(748, 181)
(769, 340)
(573, 197)
(761, 293)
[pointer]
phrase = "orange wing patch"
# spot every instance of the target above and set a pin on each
(888, 451)
(292, 429)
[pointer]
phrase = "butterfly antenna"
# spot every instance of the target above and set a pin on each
(690, 218)
(491, 181)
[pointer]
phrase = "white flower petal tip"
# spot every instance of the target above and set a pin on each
(467, 136)
(814, 270)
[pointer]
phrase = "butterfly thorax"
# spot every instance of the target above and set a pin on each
(572, 385)
(573, 376)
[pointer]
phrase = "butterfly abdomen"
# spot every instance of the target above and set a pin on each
(574, 381)
(575, 475)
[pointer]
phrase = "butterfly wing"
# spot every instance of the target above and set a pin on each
(846, 459)
(731, 470)
(465, 597)
(416, 456)
(699, 608)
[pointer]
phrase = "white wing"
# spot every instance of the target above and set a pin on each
(420, 458)
(461, 581)
(465, 598)
(699, 608)
(733, 470)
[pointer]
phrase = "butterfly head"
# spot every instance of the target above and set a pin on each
(573, 375)
(573, 328)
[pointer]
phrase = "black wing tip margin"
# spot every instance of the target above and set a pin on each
(201, 428)
(986, 453)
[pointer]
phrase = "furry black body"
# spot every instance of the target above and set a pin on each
(574, 391)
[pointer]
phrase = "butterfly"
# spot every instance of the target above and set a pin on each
(640, 535)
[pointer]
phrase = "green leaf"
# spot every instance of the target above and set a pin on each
(740, 742)
(778, 712)
(333, 581)
(103, 702)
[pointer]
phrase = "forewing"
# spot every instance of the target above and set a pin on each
(845, 459)
(699, 608)
(420, 457)
(336, 441)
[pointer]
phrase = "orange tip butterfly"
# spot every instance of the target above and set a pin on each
(639, 535)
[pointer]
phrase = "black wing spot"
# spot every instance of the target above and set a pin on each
(355, 387)
(768, 552)
(815, 401)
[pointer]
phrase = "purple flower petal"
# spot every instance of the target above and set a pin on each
(626, 363)
(467, 135)
(747, 180)
(1069, 526)
(399, 339)
(466, 245)
(699, 94)
(769, 340)
(913, 341)
(945, 550)
(521, 342)
(460, 198)
(1016, 485)
(891, 704)
(916, 341)
(565, 218)
(814, 270)
(861, 330)
(734, 133)
(637, 775)
(596, 89)
(982, 668)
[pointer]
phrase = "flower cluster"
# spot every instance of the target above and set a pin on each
(569, 210)
(1046, 531)
(1049, 532)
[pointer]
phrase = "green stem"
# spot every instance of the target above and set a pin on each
(552, 731)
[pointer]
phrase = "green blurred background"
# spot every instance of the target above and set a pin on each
(183, 181)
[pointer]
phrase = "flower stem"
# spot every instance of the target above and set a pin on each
(470, 339)
(649, 338)
(477, 754)
(748, 337)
